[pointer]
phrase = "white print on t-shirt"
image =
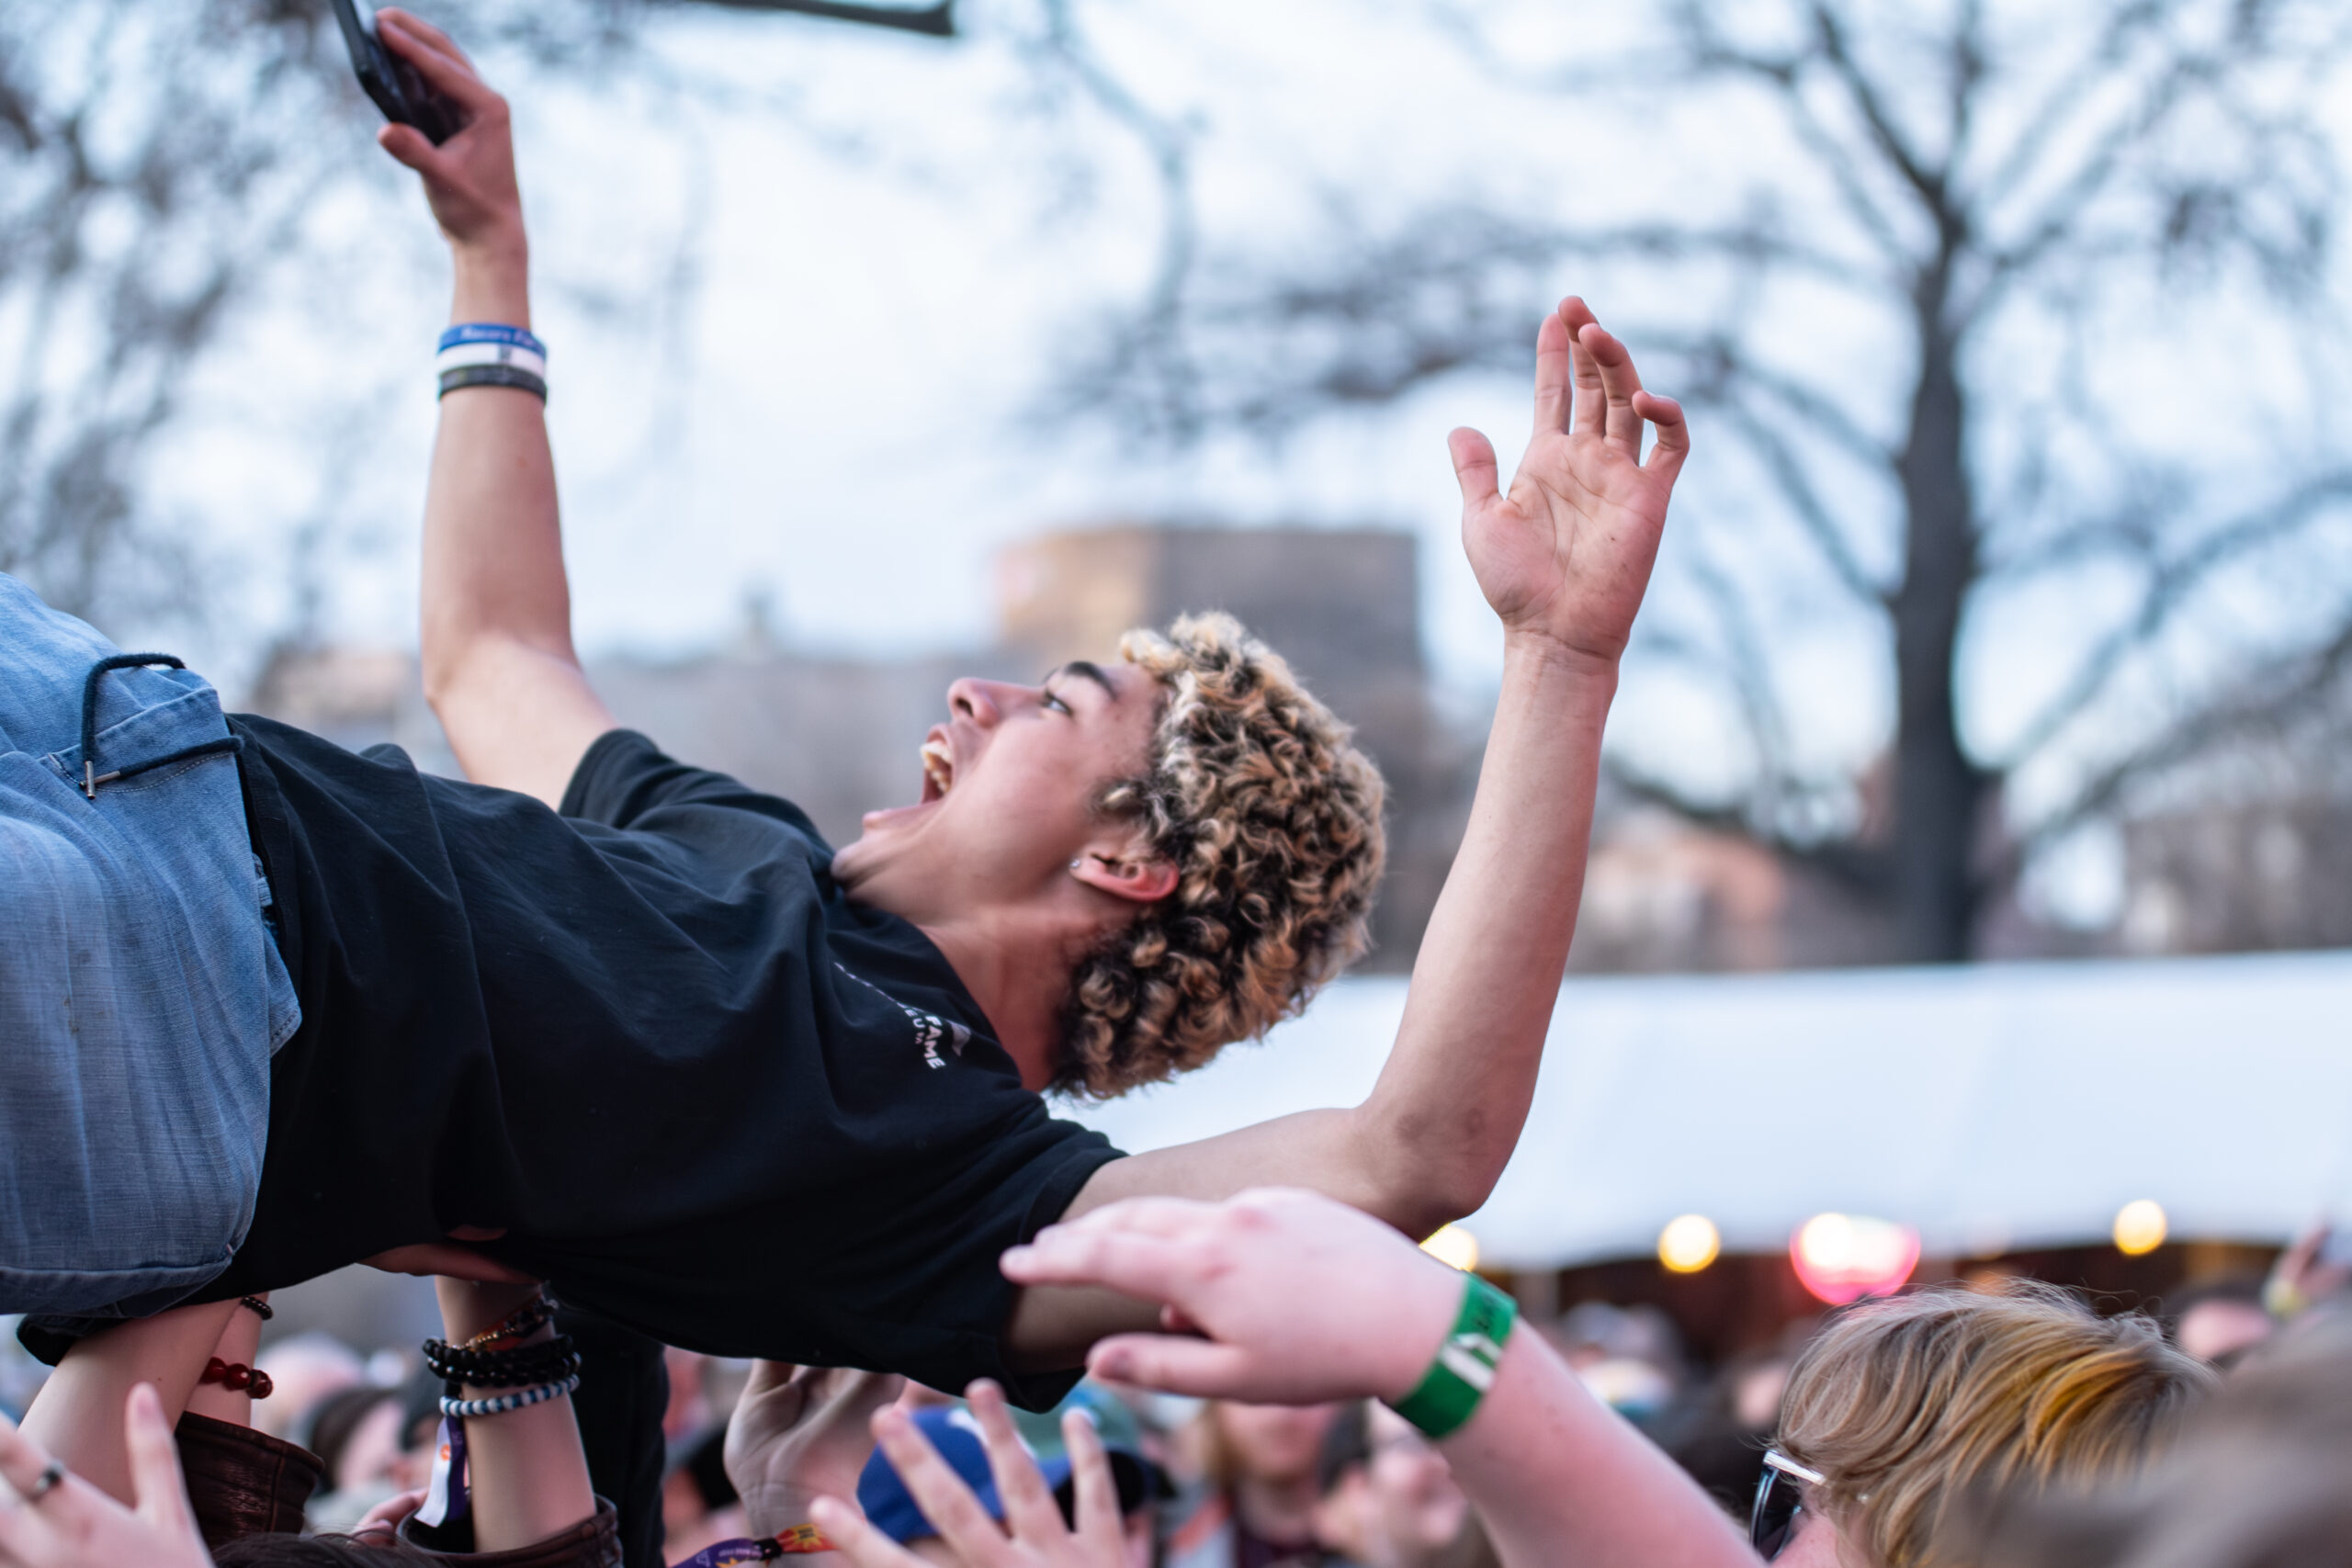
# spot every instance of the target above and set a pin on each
(929, 1030)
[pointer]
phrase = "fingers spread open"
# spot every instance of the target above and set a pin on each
(157, 1491)
(1555, 374)
(1473, 467)
(939, 1492)
(1197, 1367)
(1030, 1510)
(1621, 426)
(1098, 1494)
(1673, 433)
(1575, 315)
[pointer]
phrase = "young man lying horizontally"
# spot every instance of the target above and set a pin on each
(605, 1019)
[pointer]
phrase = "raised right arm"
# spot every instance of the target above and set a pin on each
(499, 665)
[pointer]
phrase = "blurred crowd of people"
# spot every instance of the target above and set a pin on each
(1936, 1404)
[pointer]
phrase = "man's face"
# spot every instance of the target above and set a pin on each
(1007, 788)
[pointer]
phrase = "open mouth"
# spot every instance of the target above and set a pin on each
(938, 769)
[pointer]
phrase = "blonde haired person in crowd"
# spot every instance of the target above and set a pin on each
(1906, 1416)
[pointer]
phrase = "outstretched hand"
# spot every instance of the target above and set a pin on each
(74, 1525)
(1564, 554)
(1244, 1290)
(468, 179)
(799, 1433)
(1033, 1534)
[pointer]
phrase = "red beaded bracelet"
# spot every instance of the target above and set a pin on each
(238, 1378)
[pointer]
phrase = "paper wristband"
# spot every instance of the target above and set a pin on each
(491, 332)
(1449, 1392)
(490, 354)
(493, 376)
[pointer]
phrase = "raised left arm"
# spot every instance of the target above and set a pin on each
(1563, 558)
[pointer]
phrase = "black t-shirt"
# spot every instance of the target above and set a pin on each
(703, 1093)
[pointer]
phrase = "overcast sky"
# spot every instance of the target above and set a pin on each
(796, 317)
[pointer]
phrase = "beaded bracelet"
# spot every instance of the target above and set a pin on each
(503, 1369)
(517, 1325)
(520, 1399)
(257, 1306)
(238, 1378)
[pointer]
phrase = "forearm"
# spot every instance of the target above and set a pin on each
(1558, 1477)
(1448, 1109)
(496, 625)
(493, 545)
(529, 1474)
(77, 1414)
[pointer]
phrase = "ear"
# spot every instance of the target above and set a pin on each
(1124, 866)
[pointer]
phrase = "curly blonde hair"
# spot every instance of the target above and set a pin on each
(1258, 795)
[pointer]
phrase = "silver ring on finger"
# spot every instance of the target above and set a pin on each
(46, 1481)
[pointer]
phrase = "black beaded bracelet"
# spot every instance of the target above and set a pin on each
(507, 1375)
(543, 1362)
(478, 1366)
(493, 376)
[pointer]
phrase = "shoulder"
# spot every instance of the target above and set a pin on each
(623, 778)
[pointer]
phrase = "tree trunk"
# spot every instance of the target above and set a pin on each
(1938, 791)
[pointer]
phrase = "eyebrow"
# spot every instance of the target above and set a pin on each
(1086, 669)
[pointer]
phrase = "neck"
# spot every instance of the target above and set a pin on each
(1021, 979)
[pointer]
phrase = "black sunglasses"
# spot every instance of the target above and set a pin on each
(1778, 1502)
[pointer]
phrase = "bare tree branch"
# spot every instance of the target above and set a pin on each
(2170, 585)
(936, 21)
(2263, 700)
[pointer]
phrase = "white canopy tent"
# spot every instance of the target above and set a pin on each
(1991, 1107)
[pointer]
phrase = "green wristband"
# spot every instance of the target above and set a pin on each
(1449, 1392)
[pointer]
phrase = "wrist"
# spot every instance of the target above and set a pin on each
(492, 281)
(773, 1507)
(1547, 653)
(1430, 1302)
(1455, 1384)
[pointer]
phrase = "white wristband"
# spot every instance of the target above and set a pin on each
(462, 355)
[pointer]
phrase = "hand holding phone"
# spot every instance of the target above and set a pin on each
(470, 180)
(398, 87)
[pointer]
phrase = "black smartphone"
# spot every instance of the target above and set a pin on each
(398, 89)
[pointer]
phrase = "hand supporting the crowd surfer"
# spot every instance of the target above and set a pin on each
(1291, 1298)
(801, 1433)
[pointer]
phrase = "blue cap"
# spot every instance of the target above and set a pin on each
(955, 1433)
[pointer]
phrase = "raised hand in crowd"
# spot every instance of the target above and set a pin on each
(798, 1434)
(1287, 1297)
(1564, 554)
(2306, 1274)
(1034, 1534)
(63, 1521)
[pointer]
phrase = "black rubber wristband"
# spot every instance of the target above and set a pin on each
(493, 376)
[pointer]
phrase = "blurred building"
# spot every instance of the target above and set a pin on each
(2239, 877)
